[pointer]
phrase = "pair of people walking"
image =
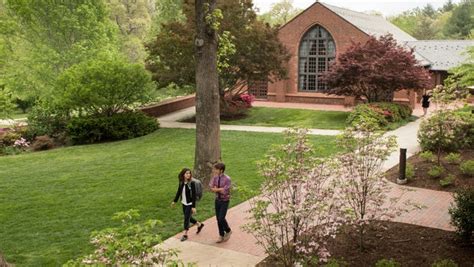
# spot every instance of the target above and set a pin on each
(220, 184)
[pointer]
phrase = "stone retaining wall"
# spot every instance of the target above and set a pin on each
(169, 106)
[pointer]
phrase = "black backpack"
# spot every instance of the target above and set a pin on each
(198, 186)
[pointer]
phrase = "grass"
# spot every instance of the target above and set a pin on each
(313, 119)
(17, 114)
(51, 201)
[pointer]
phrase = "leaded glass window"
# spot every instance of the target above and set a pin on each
(317, 50)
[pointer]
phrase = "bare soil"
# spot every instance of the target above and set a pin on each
(409, 245)
(422, 179)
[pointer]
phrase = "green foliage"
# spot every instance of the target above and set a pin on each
(462, 213)
(124, 125)
(410, 171)
(387, 263)
(132, 243)
(379, 114)
(171, 53)
(46, 119)
(461, 22)
(447, 181)
(467, 167)
(46, 37)
(6, 103)
(447, 131)
(172, 90)
(103, 86)
(336, 263)
(436, 171)
(463, 75)
(453, 158)
(444, 263)
(280, 13)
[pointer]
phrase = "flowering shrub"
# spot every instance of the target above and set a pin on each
(360, 178)
(21, 143)
(234, 106)
(248, 99)
(297, 210)
(129, 244)
(379, 114)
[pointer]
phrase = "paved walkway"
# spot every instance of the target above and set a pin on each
(241, 249)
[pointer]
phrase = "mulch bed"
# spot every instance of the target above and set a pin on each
(422, 179)
(409, 245)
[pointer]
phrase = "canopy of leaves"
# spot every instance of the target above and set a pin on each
(103, 86)
(375, 70)
(463, 75)
(452, 21)
(280, 13)
(258, 55)
(41, 38)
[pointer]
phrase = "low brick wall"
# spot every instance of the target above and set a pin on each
(169, 106)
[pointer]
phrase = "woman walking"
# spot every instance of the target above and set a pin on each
(187, 192)
(425, 101)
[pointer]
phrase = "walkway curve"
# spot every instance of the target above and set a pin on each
(241, 249)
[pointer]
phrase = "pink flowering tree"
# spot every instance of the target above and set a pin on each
(360, 179)
(297, 210)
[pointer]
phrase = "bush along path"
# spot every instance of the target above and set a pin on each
(242, 249)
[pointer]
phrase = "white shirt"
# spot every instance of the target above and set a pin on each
(184, 201)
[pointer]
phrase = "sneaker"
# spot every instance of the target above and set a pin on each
(184, 238)
(227, 235)
(199, 228)
(220, 240)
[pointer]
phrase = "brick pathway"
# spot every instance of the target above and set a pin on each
(241, 249)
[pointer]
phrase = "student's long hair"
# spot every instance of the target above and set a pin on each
(182, 173)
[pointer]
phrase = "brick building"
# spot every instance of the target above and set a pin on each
(317, 35)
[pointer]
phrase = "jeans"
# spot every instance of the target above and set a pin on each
(221, 211)
(188, 216)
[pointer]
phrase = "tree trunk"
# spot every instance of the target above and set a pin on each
(208, 147)
(3, 262)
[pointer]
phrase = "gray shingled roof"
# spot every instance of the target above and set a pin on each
(371, 24)
(442, 54)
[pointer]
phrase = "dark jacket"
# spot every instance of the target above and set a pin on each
(190, 192)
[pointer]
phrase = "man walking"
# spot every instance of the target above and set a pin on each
(220, 184)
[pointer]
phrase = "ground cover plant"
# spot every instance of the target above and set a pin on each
(53, 200)
(422, 166)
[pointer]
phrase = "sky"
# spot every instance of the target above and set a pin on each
(386, 7)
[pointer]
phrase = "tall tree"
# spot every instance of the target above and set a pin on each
(259, 54)
(208, 147)
(134, 20)
(280, 13)
(375, 70)
(461, 23)
(448, 6)
(463, 75)
(49, 36)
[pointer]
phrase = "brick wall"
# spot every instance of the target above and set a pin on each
(290, 35)
(169, 106)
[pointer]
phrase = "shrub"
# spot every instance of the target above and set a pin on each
(45, 119)
(467, 167)
(336, 263)
(410, 171)
(236, 107)
(436, 171)
(444, 263)
(387, 263)
(447, 181)
(9, 138)
(42, 142)
(126, 125)
(453, 158)
(427, 156)
(448, 131)
(462, 213)
(103, 86)
(366, 114)
(130, 244)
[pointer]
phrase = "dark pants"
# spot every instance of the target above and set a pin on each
(188, 216)
(221, 212)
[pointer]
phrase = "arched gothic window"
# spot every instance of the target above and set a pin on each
(317, 50)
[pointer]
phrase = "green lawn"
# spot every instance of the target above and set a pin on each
(52, 200)
(313, 119)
